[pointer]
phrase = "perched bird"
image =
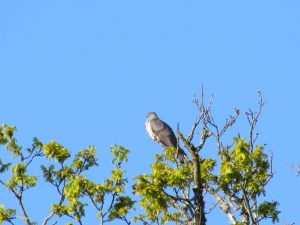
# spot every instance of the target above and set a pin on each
(162, 133)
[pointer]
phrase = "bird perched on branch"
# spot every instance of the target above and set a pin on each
(162, 133)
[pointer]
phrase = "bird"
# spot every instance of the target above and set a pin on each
(162, 133)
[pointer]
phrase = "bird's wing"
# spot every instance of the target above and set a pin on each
(156, 126)
(163, 132)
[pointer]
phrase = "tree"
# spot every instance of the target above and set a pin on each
(68, 180)
(236, 179)
(173, 190)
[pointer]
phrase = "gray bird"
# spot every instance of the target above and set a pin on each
(162, 133)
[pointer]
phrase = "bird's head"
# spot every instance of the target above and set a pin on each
(151, 115)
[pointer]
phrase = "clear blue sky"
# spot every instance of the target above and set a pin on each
(87, 72)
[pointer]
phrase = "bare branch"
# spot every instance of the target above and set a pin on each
(205, 135)
(252, 118)
(188, 145)
(229, 122)
(20, 201)
(247, 207)
(297, 166)
(223, 204)
(196, 123)
(173, 201)
(49, 217)
(9, 220)
(32, 156)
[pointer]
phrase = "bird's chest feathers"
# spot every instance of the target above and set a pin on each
(150, 131)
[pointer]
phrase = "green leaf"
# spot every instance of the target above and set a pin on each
(59, 210)
(57, 151)
(9, 131)
(6, 214)
(85, 159)
(269, 210)
(37, 143)
(4, 167)
(120, 154)
(121, 207)
(3, 139)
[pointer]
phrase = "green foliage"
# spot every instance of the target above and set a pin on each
(245, 169)
(76, 191)
(269, 210)
(156, 188)
(59, 210)
(207, 166)
(85, 159)
(165, 192)
(4, 167)
(3, 136)
(7, 137)
(121, 208)
(244, 173)
(171, 192)
(75, 187)
(120, 154)
(20, 178)
(56, 151)
(6, 214)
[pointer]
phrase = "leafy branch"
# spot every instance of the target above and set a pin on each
(236, 179)
(68, 179)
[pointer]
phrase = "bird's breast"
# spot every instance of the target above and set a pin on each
(149, 130)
